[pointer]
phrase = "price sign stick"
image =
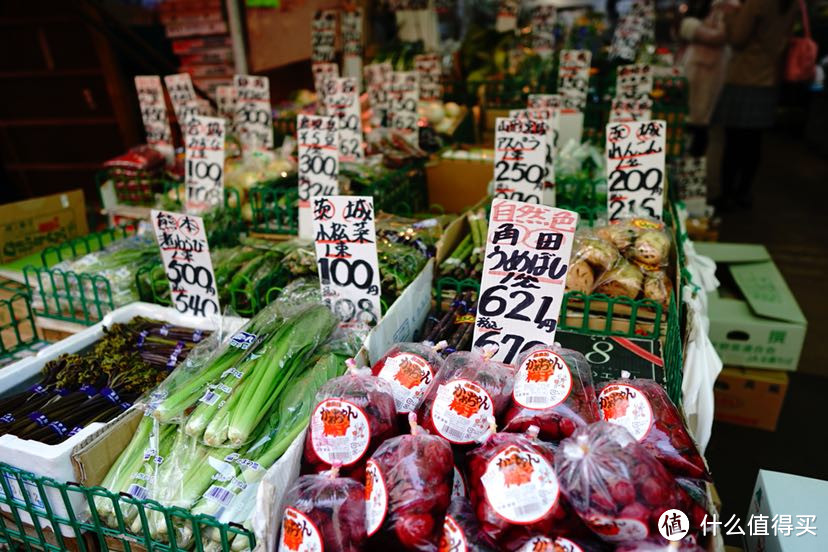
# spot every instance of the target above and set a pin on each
(154, 114)
(528, 249)
(204, 163)
(318, 141)
(253, 117)
(346, 256)
(520, 164)
(186, 257)
(342, 103)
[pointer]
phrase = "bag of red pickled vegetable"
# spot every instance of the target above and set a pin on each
(324, 512)
(461, 529)
(409, 368)
(469, 392)
(408, 491)
(354, 414)
(515, 491)
(617, 487)
(541, 543)
(644, 409)
(553, 391)
(661, 545)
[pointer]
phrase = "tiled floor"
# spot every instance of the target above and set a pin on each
(789, 218)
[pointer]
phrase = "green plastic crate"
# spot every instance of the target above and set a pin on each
(94, 292)
(36, 533)
(274, 204)
(401, 192)
(18, 334)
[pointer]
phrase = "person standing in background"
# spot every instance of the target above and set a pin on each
(758, 32)
(705, 62)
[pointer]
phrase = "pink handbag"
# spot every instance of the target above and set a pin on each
(800, 65)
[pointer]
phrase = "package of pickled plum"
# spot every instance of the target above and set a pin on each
(324, 512)
(644, 409)
(553, 390)
(409, 368)
(461, 529)
(408, 485)
(354, 414)
(469, 393)
(515, 491)
(616, 486)
(542, 543)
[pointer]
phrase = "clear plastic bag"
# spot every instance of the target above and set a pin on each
(660, 545)
(643, 241)
(644, 409)
(541, 543)
(353, 415)
(624, 279)
(408, 483)
(470, 391)
(658, 287)
(409, 368)
(324, 512)
(553, 390)
(616, 486)
(461, 529)
(515, 491)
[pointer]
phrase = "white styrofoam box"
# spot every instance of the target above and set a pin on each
(404, 317)
(55, 461)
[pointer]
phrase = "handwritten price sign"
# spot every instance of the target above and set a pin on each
(550, 118)
(507, 12)
(346, 256)
(636, 109)
(428, 70)
(342, 103)
(635, 169)
(318, 139)
(154, 114)
(183, 97)
(186, 257)
(378, 81)
(520, 166)
(524, 275)
(403, 97)
(544, 17)
(573, 78)
(544, 101)
(253, 118)
(321, 73)
(352, 43)
(323, 36)
(204, 163)
(633, 81)
(226, 103)
(691, 173)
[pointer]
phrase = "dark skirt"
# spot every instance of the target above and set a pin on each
(746, 106)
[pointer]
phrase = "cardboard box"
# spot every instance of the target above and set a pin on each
(755, 320)
(751, 398)
(782, 494)
(456, 183)
(29, 226)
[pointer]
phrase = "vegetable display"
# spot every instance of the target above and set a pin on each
(466, 261)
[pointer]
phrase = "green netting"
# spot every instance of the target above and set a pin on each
(17, 327)
(274, 205)
(38, 510)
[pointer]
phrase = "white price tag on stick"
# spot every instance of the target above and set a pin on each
(544, 101)
(226, 103)
(321, 73)
(520, 163)
(507, 12)
(154, 114)
(544, 17)
(403, 98)
(573, 78)
(428, 71)
(550, 117)
(204, 163)
(318, 140)
(352, 44)
(635, 169)
(323, 36)
(635, 109)
(342, 103)
(692, 184)
(182, 96)
(346, 256)
(633, 81)
(378, 81)
(186, 257)
(253, 116)
(524, 275)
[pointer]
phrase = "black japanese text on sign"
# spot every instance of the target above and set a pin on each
(226, 103)
(378, 81)
(633, 81)
(573, 78)
(544, 17)
(552, 120)
(635, 169)
(323, 36)
(429, 71)
(154, 113)
(520, 163)
(186, 258)
(182, 96)
(253, 118)
(342, 103)
(203, 163)
(635, 109)
(524, 275)
(318, 139)
(402, 109)
(346, 256)
(352, 43)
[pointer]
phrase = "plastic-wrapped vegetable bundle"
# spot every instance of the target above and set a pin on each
(353, 415)
(469, 393)
(515, 490)
(324, 512)
(553, 390)
(409, 368)
(645, 410)
(408, 483)
(617, 487)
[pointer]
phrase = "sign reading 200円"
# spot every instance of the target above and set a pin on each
(524, 275)
(635, 169)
